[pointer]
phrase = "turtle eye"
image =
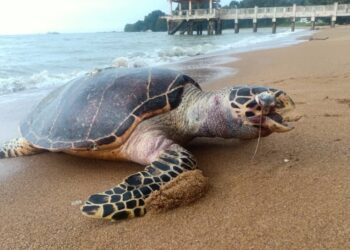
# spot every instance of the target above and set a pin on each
(266, 99)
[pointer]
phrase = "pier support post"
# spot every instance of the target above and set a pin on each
(218, 27)
(334, 16)
(255, 19)
(199, 29)
(221, 26)
(294, 17)
(312, 25)
(236, 22)
(333, 22)
(190, 28)
(171, 25)
(313, 19)
(211, 27)
(236, 26)
(255, 26)
(313, 22)
(274, 25)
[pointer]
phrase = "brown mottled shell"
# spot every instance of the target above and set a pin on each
(102, 108)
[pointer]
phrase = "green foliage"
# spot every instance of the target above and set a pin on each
(151, 22)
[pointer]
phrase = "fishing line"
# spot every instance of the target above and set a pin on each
(259, 138)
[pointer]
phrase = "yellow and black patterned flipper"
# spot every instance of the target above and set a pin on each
(127, 200)
(18, 147)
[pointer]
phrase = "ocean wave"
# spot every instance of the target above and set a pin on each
(196, 50)
(162, 56)
(135, 62)
(40, 80)
(163, 52)
(174, 54)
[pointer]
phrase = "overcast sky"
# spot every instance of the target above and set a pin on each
(41, 16)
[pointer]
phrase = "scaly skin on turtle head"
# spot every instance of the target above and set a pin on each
(261, 108)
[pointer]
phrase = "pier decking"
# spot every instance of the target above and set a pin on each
(188, 20)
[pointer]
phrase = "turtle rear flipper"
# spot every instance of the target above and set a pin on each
(18, 147)
(127, 200)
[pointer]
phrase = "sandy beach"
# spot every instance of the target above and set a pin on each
(295, 194)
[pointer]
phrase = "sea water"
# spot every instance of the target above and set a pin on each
(35, 63)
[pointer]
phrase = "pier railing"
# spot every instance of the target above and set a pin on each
(194, 14)
(194, 18)
(264, 12)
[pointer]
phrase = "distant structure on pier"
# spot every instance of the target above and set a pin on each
(189, 16)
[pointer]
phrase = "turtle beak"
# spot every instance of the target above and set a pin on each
(279, 118)
(278, 111)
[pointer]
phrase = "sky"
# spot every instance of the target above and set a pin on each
(42, 16)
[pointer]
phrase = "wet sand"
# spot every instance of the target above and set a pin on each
(294, 195)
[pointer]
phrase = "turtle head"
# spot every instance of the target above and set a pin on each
(262, 110)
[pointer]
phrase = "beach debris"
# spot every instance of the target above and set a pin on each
(318, 38)
(286, 160)
(343, 100)
(76, 202)
(331, 115)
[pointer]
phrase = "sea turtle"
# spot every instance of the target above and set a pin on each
(144, 115)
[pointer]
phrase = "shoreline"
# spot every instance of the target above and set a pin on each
(263, 204)
(206, 68)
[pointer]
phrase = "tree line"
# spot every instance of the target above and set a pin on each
(153, 22)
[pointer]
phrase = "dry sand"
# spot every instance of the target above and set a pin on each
(267, 203)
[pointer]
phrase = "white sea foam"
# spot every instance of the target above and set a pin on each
(176, 53)
(40, 80)
(132, 62)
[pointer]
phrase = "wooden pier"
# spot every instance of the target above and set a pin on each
(188, 20)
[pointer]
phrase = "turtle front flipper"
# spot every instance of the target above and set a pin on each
(127, 200)
(18, 147)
